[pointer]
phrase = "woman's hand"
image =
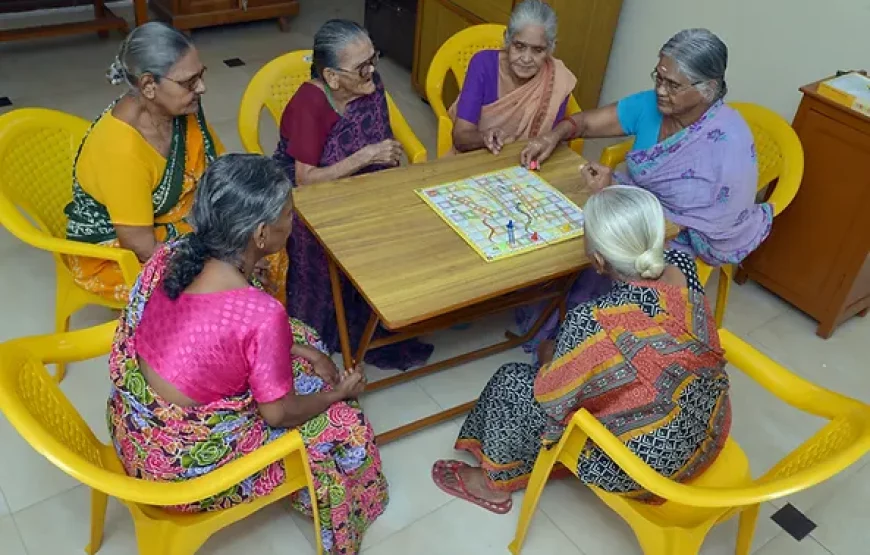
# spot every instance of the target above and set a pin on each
(388, 153)
(325, 368)
(352, 384)
(261, 274)
(539, 149)
(494, 140)
(597, 176)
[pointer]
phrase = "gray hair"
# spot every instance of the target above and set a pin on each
(532, 12)
(702, 57)
(150, 48)
(626, 226)
(237, 193)
(330, 41)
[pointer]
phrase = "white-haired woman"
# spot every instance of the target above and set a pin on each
(644, 359)
(517, 92)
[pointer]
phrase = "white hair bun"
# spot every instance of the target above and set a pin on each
(650, 264)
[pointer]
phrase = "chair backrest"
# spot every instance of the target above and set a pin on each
(273, 87)
(454, 56)
(37, 149)
(778, 151)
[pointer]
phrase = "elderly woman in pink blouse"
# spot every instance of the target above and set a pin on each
(515, 93)
(206, 368)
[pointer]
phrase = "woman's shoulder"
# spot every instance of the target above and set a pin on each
(484, 61)
(685, 263)
(308, 97)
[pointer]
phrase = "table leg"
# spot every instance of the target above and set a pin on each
(141, 11)
(340, 317)
(366, 338)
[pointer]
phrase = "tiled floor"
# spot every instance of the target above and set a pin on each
(42, 511)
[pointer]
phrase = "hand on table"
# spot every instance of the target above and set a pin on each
(387, 152)
(494, 140)
(539, 149)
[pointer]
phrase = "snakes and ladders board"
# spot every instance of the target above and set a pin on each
(506, 212)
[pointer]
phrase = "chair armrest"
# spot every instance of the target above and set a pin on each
(705, 496)
(13, 220)
(787, 386)
(404, 134)
(614, 155)
(70, 346)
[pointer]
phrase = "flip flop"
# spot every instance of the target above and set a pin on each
(442, 469)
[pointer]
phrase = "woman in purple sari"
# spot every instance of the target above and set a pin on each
(338, 125)
(691, 150)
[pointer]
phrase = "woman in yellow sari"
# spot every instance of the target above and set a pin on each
(137, 168)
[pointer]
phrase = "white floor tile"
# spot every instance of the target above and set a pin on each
(460, 527)
(272, 530)
(786, 545)
(842, 518)
(10, 540)
(397, 405)
(407, 465)
(4, 507)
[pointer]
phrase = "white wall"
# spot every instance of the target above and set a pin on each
(774, 46)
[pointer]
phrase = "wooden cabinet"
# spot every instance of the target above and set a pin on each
(818, 254)
(191, 14)
(586, 29)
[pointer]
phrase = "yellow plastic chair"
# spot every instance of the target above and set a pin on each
(679, 526)
(276, 83)
(39, 411)
(780, 159)
(454, 56)
(37, 148)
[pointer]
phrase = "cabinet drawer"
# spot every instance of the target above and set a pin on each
(491, 11)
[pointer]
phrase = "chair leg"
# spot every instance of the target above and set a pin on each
(61, 324)
(746, 531)
(543, 467)
(724, 286)
(167, 539)
(98, 520)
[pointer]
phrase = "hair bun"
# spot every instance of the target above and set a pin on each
(116, 73)
(650, 264)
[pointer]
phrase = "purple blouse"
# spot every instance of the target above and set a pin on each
(481, 88)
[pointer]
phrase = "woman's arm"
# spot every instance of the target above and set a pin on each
(467, 136)
(307, 175)
(591, 124)
(294, 410)
(139, 239)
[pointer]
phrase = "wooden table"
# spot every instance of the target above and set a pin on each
(417, 274)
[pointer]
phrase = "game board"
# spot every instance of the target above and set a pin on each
(505, 212)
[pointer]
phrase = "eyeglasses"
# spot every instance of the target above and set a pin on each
(365, 69)
(191, 83)
(670, 86)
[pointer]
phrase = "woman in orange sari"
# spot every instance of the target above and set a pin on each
(136, 170)
(515, 93)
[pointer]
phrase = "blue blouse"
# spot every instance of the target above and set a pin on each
(639, 116)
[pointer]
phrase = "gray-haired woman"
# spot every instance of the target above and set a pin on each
(137, 168)
(337, 125)
(207, 369)
(518, 92)
(644, 359)
(692, 151)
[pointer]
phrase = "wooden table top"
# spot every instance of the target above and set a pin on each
(405, 260)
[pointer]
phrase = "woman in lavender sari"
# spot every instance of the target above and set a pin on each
(695, 153)
(337, 125)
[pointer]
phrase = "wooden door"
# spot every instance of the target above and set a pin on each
(437, 21)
